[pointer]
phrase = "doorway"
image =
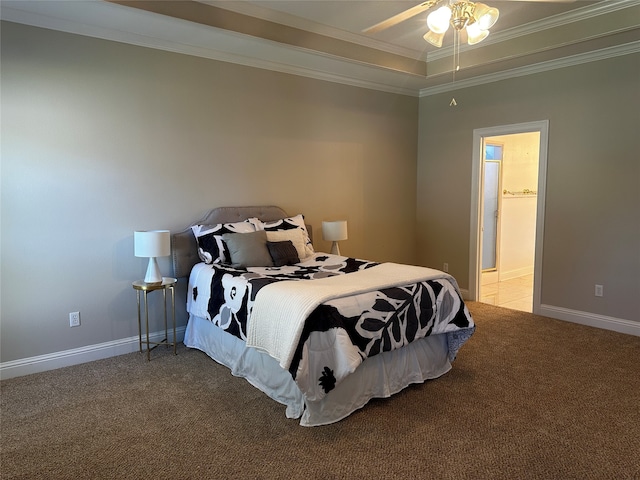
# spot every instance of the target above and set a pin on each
(510, 183)
(509, 177)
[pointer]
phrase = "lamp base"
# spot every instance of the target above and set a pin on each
(153, 275)
(335, 249)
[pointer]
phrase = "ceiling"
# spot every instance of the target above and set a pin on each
(355, 16)
(324, 38)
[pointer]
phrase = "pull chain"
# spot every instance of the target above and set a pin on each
(456, 62)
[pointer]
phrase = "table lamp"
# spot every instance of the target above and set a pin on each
(334, 232)
(152, 244)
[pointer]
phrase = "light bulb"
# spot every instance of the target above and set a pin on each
(485, 15)
(438, 20)
(475, 34)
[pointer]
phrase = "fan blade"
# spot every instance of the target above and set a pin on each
(401, 17)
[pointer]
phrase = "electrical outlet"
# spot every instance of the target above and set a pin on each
(599, 291)
(74, 319)
(445, 267)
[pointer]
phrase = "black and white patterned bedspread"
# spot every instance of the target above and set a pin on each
(342, 332)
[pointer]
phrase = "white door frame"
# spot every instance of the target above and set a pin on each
(477, 168)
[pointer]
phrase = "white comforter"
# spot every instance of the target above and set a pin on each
(280, 309)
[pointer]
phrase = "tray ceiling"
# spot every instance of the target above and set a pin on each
(323, 38)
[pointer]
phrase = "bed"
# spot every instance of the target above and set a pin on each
(319, 333)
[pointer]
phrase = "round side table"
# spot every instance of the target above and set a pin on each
(141, 287)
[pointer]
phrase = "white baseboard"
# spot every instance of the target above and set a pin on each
(591, 319)
(66, 358)
(619, 325)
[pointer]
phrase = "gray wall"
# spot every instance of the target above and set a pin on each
(101, 138)
(592, 219)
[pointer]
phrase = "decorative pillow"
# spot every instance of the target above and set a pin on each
(248, 249)
(291, 223)
(283, 253)
(211, 248)
(295, 236)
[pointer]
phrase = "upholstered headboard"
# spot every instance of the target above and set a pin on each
(184, 250)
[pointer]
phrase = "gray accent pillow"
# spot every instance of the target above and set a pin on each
(248, 249)
(283, 253)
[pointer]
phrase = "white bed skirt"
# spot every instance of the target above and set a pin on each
(377, 377)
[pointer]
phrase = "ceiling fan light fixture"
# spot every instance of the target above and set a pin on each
(438, 20)
(434, 39)
(485, 16)
(462, 14)
(475, 34)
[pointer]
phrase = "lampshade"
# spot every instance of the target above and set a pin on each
(334, 232)
(152, 244)
(434, 39)
(475, 34)
(485, 15)
(438, 20)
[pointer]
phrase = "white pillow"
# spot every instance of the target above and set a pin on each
(291, 223)
(295, 236)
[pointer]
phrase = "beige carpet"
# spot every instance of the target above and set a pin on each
(528, 397)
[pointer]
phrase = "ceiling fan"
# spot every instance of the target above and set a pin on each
(474, 17)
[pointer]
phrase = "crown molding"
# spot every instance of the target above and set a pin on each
(94, 19)
(594, 56)
(253, 10)
(277, 33)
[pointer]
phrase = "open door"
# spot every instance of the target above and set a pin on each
(485, 242)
